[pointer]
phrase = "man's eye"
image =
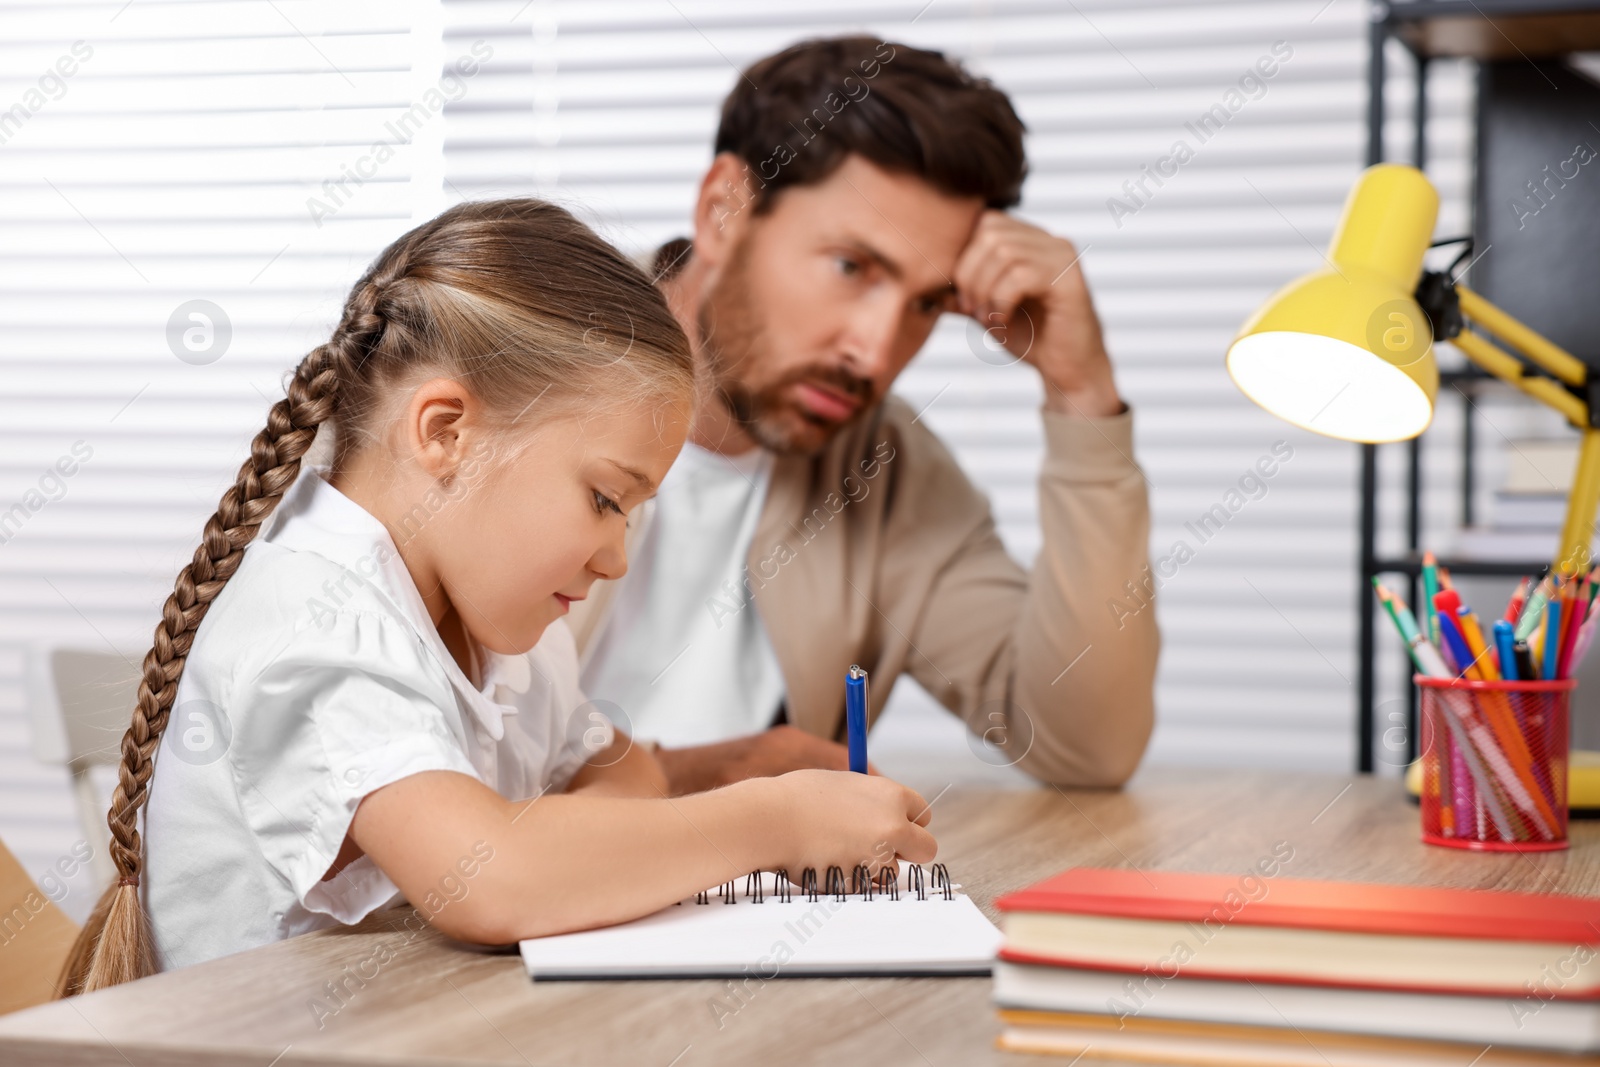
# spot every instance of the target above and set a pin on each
(848, 267)
(931, 305)
(603, 503)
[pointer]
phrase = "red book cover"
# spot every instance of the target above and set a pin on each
(1350, 907)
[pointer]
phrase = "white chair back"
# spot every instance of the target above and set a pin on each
(81, 701)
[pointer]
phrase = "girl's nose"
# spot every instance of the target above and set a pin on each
(610, 560)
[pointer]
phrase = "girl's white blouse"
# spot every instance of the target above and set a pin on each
(316, 678)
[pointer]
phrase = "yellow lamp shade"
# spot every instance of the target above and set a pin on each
(1346, 351)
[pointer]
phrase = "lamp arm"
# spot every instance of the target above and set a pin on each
(1508, 369)
(1452, 306)
(1572, 557)
(1522, 339)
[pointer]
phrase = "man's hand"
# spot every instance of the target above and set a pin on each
(622, 770)
(764, 755)
(1026, 287)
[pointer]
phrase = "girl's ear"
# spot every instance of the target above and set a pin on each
(443, 423)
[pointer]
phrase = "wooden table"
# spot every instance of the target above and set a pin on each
(437, 1001)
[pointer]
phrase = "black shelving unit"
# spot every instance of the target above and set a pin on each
(1431, 29)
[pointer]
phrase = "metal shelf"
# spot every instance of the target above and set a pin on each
(1477, 29)
(1484, 29)
(1500, 568)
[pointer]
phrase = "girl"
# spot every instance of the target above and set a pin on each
(378, 696)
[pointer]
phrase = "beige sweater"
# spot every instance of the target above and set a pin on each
(880, 551)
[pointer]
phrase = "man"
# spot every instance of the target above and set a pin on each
(858, 192)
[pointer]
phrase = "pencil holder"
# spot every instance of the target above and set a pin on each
(1494, 764)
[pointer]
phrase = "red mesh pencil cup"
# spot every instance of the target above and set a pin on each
(1494, 764)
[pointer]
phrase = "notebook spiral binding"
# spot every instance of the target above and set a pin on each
(833, 884)
(861, 881)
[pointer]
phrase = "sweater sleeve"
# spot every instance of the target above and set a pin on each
(1053, 670)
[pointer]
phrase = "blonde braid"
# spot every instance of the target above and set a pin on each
(115, 945)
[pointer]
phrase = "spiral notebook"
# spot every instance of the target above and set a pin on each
(767, 925)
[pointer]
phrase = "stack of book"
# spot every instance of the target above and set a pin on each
(1256, 969)
(1526, 512)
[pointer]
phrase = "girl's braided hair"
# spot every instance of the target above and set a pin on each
(516, 298)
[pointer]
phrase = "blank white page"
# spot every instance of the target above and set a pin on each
(773, 939)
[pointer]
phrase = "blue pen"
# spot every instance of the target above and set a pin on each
(1456, 643)
(1505, 640)
(1552, 637)
(855, 717)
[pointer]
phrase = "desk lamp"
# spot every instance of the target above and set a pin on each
(1348, 351)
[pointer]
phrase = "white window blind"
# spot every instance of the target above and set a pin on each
(175, 164)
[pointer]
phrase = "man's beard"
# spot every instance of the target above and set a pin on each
(735, 347)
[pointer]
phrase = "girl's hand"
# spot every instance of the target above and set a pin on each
(839, 818)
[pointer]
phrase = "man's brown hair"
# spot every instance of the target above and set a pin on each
(794, 116)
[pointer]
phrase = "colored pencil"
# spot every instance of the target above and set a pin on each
(1585, 639)
(1578, 612)
(1552, 638)
(1533, 610)
(1430, 589)
(1519, 597)
(1423, 654)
